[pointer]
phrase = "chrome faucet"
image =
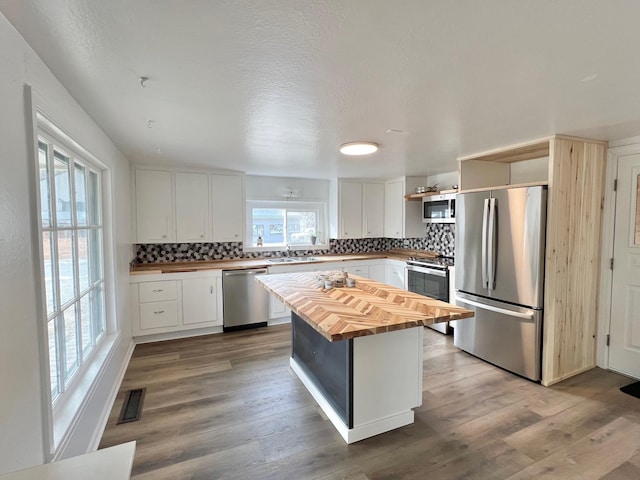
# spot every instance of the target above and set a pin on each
(287, 250)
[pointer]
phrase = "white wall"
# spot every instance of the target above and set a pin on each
(21, 431)
(269, 188)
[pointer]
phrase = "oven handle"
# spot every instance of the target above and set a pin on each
(428, 271)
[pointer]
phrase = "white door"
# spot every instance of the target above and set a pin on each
(624, 347)
(350, 210)
(373, 210)
(227, 205)
(199, 301)
(154, 207)
(394, 209)
(192, 207)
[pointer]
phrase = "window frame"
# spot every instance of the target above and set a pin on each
(319, 208)
(60, 415)
(56, 150)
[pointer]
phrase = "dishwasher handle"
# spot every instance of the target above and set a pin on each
(231, 273)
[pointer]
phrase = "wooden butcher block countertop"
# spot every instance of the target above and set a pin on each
(242, 264)
(366, 309)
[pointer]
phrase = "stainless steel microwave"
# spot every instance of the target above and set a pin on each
(439, 208)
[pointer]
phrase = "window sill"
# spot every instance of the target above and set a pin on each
(66, 411)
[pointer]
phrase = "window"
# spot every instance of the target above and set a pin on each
(71, 233)
(281, 223)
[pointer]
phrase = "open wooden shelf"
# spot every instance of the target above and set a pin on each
(420, 196)
(503, 187)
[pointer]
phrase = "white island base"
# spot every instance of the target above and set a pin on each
(383, 382)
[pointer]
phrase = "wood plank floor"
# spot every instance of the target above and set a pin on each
(228, 406)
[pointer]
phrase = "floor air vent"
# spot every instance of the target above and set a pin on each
(132, 407)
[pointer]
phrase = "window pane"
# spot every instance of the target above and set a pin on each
(95, 255)
(97, 311)
(45, 193)
(270, 221)
(85, 324)
(66, 267)
(49, 284)
(301, 226)
(94, 199)
(53, 358)
(83, 259)
(70, 341)
(63, 190)
(81, 195)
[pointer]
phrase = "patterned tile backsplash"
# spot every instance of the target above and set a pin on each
(439, 238)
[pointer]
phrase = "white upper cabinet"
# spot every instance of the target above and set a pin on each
(373, 210)
(350, 209)
(227, 207)
(192, 207)
(154, 207)
(394, 204)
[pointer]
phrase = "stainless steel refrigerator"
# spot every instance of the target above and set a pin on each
(500, 240)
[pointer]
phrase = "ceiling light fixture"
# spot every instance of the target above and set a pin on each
(358, 148)
(143, 80)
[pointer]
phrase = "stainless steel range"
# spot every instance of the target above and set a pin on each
(430, 277)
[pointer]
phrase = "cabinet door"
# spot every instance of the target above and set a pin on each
(362, 271)
(154, 207)
(350, 210)
(199, 301)
(373, 204)
(395, 275)
(192, 207)
(394, 209)
(227, 206)
(277, 309)
(377, 273)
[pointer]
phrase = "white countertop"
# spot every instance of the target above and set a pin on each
(113, 463)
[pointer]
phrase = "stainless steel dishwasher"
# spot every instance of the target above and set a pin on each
(245, 302)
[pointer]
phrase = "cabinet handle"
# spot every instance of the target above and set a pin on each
(211, 289)
(236, 235)
(164, 236)
(158, 290)
(159, 312)
(201, 236)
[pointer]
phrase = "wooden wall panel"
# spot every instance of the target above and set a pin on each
(574, 219)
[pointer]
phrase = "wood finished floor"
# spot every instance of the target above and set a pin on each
(228, 406)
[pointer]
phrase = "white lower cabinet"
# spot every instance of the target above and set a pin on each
(175, 302)
(377, 272)
(158, 315)
(200, 301)
(395, 274)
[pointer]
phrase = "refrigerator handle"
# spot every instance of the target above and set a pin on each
(529, 314)
(491, 249)
(485, 214)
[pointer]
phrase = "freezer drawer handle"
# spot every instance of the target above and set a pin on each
(528, 315)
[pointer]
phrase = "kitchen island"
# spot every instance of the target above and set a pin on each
(359, 350)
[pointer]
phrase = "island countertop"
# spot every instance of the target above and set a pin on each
(368, 308)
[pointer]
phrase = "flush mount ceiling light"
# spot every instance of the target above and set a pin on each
(358, 148)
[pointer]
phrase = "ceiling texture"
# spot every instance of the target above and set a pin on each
(273, 87)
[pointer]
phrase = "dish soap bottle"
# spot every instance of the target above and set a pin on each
(259, 241)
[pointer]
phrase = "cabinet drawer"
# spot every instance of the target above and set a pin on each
(158, 291)
(158, 315)
(362, 271)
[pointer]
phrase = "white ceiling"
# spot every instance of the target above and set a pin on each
(273, 87)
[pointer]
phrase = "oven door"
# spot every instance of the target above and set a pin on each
(430, 282)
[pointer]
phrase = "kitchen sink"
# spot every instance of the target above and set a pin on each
(292, 259)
